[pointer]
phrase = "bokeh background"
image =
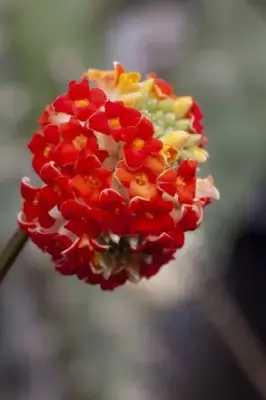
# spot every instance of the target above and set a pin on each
(63, 340)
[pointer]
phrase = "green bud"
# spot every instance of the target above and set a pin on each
(183, 124)
(170, 119)
(165, 105)
(151, 106)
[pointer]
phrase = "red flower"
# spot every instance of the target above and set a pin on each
(51, 243)
(43, 146)
(115, 213)
(79, 260)
(57, 188)
(151, 217)
(46, 117)
(114, 281)
(91, 179)
(114, 119)
(34, 213)
(180, 182)
(158, 252)
(80, 100)
(139, 144)
(192, 217)
(76, 139)
(196, 117)
(76, 261)
(161, 89)
(82, 220)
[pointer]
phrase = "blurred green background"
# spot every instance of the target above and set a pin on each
(59, 338)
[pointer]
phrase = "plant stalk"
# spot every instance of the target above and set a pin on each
(11, 251)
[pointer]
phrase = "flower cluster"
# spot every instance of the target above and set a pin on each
(118, 157)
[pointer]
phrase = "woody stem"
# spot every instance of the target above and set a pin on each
(11, 251)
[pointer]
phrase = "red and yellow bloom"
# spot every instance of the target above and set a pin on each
(119, 165)
(180, 181)
(80, 100)
(142, 181)
(90, 180)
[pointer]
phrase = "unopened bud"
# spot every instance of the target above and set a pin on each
(182, 106)
(182, 124)
(195, 153)
(176, 139)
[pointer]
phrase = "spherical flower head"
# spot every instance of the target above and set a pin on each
(119, 159)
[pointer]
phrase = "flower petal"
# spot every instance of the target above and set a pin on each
(63, 104)
(145, 128)
(51, 134)
(109, 197)
(87, 164)
(129, 117)
(167, 181)
(71, 209)
(99, 122)
(37, 143)
(66, 154)
(79, 90)
(49, 173)
(134, 159)
(27, 191)
(187, 169)
(97, 97)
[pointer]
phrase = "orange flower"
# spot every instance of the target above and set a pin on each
(141, 182)
(91, 179)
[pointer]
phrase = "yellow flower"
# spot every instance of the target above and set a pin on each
(128, 82)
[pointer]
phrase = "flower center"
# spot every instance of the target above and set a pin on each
(80, 142)
(138, 144)
(97, 261)
(114, 123)
(180, 182)
(141, 179)
(46, 151)
(92, 181)
(128, 82)
(171, 153)
(82, 103)
(85, 183)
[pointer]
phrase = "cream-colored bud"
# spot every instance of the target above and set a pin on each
(193, 140)
(146, 86)
(176, 139)
(130, 99)
(182, 105)
(182, 124)
(195, 153)
(165, 105)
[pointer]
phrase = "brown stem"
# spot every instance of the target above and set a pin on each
(10, 252)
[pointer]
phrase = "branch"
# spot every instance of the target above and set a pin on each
(11, 251)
